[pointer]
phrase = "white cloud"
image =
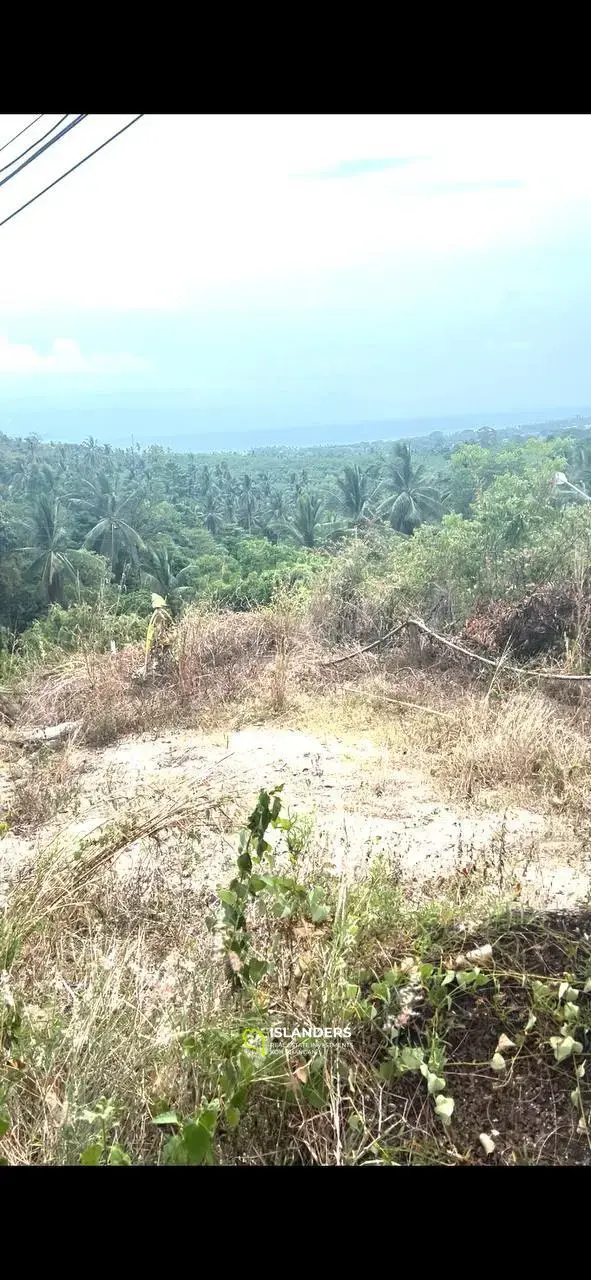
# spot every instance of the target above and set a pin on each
(64, 356)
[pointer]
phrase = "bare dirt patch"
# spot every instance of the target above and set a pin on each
(362, 799)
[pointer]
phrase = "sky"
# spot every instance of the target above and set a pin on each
(286, 271)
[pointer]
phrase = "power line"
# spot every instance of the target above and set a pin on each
(33, 144)
(19, 135)
(71, 125)
(68, 171)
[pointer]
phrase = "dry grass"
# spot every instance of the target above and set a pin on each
(520, 739)
(108, 972)
(122, 997)
(219, 665)
(527, 742)
(43, 784)
(227, 669)
(115, 977)
(346, 608)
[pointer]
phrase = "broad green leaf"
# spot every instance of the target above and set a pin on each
(166, 1117)
(256, 969)
(118, 1156)
(208, 1117)
(175, 1151)
(498, 1063)
(232, 1117)
(92, 1154)
(4, 1121)
(410, 1059)
(157, 601)
(197, 1143)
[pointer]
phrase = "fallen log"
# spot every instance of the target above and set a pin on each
(35, 737)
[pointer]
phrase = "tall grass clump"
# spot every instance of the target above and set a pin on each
(137, 1019)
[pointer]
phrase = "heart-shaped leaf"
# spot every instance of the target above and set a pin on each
(435, 1083)
(410, 1059)
(564, 1046)
(444, 1108)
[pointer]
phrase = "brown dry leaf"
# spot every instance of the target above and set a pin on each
(304, 931)
(302, 1073)
(505, 1043)
(301, 1000)
(57, 1109)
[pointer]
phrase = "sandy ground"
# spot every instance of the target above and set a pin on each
(360, 801)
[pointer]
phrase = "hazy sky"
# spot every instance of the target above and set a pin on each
(305, 269)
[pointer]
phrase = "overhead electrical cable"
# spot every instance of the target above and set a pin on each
(68, 171)
(52, 141)
(34, 144)
(20, 134)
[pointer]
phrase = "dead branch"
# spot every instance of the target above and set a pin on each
(374, 644)
(489, 662)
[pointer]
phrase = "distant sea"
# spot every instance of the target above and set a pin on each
(184, 428)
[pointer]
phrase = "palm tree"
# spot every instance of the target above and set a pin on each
(32, 476)
(305, 526)
(91, 446)
(581, 465)
(111, 534)
(411, 499)
(33, 444)
(49, 543)
(159, 577)
(247, 502)
(355, 498)
(210, 511)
